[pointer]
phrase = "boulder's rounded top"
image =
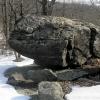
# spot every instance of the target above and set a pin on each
(31, 23)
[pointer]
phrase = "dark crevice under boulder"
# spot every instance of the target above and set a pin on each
(56, 41)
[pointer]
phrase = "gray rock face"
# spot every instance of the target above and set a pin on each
(41, 75)
(74, 74)
(97, 46)
(70, 74)
(55, 41)
(50, 91)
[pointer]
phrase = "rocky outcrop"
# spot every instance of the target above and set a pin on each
(56, 41)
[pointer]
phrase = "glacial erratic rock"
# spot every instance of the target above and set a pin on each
(55, 41)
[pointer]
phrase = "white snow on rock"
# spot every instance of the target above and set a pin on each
(7, 92)
(84, 93)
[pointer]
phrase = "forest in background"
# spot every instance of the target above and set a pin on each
(12, 11)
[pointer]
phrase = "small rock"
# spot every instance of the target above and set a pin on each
(71, 74)
(50, 91)
(66, 86)
(17, 79)
(41, 75)
(12, 81)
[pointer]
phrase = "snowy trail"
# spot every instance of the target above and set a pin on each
(7, 92)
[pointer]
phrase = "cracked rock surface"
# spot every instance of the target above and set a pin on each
(56, 41)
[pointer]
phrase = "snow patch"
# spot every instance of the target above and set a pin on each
(7, 92)
(84, 93)
(9, 60)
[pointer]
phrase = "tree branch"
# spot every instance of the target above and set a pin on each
(52, 2)
(40, 1)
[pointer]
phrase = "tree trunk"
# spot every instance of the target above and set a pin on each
(47, 6)
(18, 56)
(44, 7)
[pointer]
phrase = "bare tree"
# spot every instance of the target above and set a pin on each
(92, 2)
(50, 6)
(36, 6)
(5, 19)
(21, 9)
(44, 6)
(64, 5)
(10, 17)
(47, 6)
(15, 16)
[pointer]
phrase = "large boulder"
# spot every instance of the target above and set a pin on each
(55, 41)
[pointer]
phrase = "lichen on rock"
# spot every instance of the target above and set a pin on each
(56, 41)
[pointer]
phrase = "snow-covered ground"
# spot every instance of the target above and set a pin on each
(7, 92)
(84, 93)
